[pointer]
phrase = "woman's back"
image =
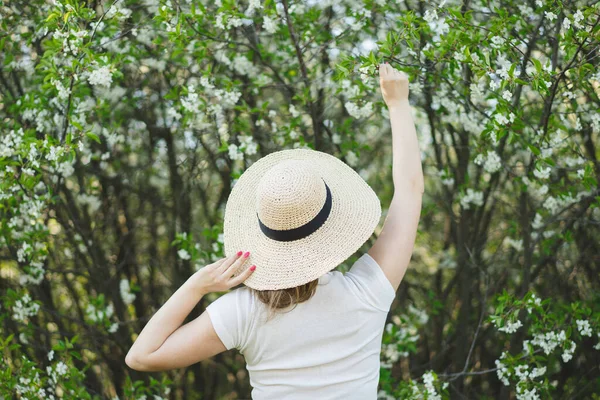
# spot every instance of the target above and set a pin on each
(328, 346)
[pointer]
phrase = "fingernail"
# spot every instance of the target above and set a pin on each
(247, 254)
(239, 253)
(252, 268)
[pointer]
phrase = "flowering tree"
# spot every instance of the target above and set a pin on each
(125, 125)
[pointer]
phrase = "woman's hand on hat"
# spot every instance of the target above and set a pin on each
(393, 84)
(217, 277)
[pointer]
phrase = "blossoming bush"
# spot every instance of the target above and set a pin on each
(553, 329)
(126, 124)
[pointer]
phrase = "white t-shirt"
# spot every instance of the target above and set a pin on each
(328, 347)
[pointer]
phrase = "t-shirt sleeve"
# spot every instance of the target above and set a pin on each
(372, 286)
(229, 315)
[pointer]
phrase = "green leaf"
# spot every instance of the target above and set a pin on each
(372, 58)
(93, 136)
(534, 149)
(538, 64)
(343, 69)
(52, 16)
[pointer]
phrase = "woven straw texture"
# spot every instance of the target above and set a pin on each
(286, 189)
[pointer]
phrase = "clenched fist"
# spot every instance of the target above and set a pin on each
(394, 85)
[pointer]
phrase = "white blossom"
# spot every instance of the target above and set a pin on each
(511, 327)
(574, 161)
(382, 395)
(24, 308)
(251, 148)
(234, 154)
(253, 5)
(97, 315)
(537, 372)
(550, 15)
(422, 316)
(191, 101)
(448, 181)
(501, 119)
(113, 328)
(577, 18)
(533, 301)
(293, 111)
(497, 41)
(125, 290)
(567, 355)
(351, 158)
(517, 244)
(430, 15)
(63, 92)
(336, 138)
(521, 371)
(183, 254)
(551, 204)
(479, 159)
(584, 327)
(359, 112)
(548, 341)
(428, 379)
(101, 76)
(502, 371)
(527, 394)
(269, 24)
(243, 66)
(61, 368)
(542, 173)
(492, 162)
(471, 197)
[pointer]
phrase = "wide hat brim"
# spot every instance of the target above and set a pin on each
(355, 213)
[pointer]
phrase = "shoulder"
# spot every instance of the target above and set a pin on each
(245, 292)
(246, 298)
(239, 298)
(369, 282)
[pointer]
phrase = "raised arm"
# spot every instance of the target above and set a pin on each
(393, 248)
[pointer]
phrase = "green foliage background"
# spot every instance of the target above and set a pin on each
(125, 124)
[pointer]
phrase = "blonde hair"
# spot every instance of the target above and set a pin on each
(276, 300)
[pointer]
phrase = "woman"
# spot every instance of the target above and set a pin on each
(305, 330)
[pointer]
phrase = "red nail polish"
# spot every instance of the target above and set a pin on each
(252, 268)
(247, 254)
(239, 253)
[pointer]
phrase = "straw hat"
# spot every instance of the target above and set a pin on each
(300, 213)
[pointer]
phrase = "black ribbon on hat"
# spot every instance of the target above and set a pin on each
(287, 235)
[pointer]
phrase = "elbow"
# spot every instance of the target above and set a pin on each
(416, 186)
(132, 362)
